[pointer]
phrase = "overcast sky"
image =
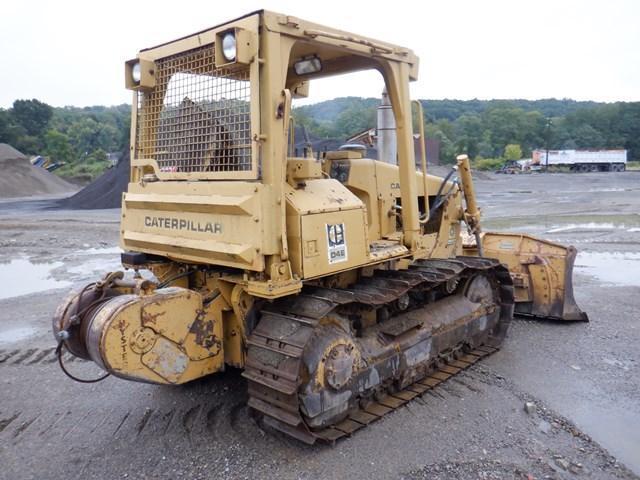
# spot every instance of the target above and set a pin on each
(72, 53)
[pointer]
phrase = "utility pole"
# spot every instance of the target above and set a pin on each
(547, 140)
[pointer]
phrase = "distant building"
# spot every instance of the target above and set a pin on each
(368, 139)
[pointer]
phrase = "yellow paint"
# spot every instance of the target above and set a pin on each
(165, 337)
(257, 234)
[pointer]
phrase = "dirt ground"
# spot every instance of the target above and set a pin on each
(583, 378)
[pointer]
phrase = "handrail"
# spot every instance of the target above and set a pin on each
(286, 112)
(292, 136)
(423, 161)
(359, 41)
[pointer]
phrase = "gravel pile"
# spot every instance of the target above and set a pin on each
(18, 178)
(103, 192)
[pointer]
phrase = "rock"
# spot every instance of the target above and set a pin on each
(575, 468)
(530, 408)
(562, 463)
(554, 467)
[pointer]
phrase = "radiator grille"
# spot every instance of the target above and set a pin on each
(198, 117)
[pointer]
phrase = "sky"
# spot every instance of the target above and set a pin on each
(73, 52)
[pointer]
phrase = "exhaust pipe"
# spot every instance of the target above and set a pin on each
(386, 142)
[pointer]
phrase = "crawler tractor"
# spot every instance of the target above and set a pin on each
(343, 286)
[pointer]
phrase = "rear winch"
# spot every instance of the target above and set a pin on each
(134, 331)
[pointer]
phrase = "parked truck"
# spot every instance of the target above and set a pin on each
(581, 160)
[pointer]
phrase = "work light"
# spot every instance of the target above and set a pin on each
(307, 66)
(229, 46)
(135, 72)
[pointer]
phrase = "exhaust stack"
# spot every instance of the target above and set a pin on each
(386, 137)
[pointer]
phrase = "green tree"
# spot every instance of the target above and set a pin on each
(507, 125)
(443, 132)
(513, 151)
(7, 127)
(97, 156)
(354, 120)
(58, 147)
(585, 136)
(468, 130)
(32, 115)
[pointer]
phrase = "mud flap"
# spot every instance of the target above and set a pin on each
(542, 274)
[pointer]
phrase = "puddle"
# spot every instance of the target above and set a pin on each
(16, 334)
(611, 189)
(100, 251)
(617, 268)
(614, 428)
(20, 276)
(592, 226)
(102, 260)
(94, 267)
(565, 223)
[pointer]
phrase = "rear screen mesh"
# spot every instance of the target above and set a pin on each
(198, 117)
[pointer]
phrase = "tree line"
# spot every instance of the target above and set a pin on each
(79, 137)
(485, 128)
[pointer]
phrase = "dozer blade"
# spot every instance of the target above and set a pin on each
(542, 274)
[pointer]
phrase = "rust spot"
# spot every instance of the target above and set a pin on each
(150, 318)
(338, 200)
(203, 330)
(122, 325)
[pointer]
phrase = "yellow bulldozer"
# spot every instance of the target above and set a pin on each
(343, 286)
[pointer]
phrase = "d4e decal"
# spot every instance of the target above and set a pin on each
(336, 243)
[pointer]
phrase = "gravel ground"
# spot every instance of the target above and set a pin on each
(580, 381)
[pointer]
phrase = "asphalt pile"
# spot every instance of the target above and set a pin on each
(18, 178)
(104, 192)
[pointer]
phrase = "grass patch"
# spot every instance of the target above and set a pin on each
(634, 165)
(89, 170)
(487, 164)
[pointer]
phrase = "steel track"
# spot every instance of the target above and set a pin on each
(276, 346)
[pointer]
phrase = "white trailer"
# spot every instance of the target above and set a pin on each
(582, 160)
